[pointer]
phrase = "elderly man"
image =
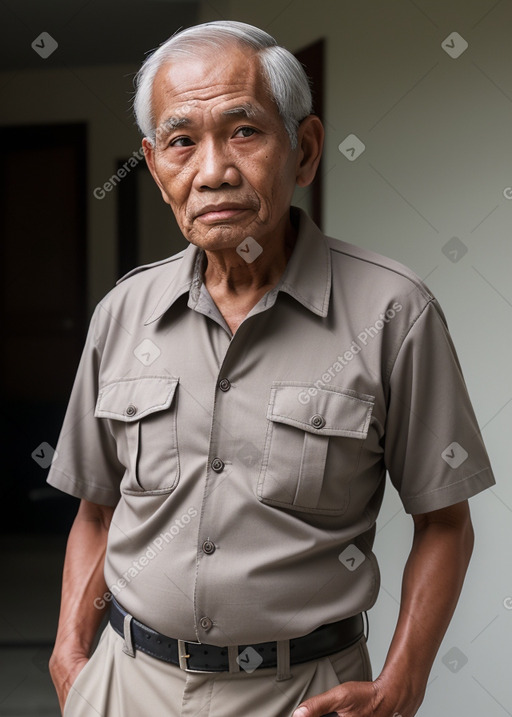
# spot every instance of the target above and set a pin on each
(233, 418)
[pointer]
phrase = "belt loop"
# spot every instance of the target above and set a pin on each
(234, 666)
(128, 642)
(283, 660)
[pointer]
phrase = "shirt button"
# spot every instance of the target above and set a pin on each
(131, 410)
(224, 384)
(217, 465)
(317, 421)
(208, 547)
(205, 623)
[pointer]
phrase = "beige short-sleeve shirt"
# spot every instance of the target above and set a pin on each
(248, 470)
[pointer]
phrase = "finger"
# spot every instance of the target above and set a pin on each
(312, 709)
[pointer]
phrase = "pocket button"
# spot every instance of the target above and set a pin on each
(131, 410)
(317, 421)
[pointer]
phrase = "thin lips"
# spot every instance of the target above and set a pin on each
(219, 208)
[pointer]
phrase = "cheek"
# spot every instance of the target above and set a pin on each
(271, 174)
(176, 182)
(282, 164)
(281, 180)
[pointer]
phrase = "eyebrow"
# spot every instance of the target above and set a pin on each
(175, 122)
(244, 110)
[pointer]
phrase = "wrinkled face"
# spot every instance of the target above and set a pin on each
(222, 156)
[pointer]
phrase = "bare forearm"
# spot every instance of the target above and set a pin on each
(83, 580)
(433, 579)
(82, 583)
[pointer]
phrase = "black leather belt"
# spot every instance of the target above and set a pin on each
(200, 657)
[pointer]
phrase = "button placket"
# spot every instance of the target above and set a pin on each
(217, 465)
(206, 623)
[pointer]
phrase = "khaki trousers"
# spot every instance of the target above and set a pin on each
(113, 684)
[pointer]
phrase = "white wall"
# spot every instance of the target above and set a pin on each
(438, 136)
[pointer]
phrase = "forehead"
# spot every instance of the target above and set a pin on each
(212, 78)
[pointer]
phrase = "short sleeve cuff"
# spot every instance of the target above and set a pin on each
(81, 489)
(445, 496)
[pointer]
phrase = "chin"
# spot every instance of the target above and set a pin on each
(219, 237)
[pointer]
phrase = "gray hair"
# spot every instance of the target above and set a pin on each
(285, 77)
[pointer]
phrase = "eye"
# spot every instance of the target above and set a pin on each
(181, 142)
(245, 132)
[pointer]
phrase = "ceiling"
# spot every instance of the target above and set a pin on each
(88, 32)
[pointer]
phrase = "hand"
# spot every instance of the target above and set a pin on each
(351, 699)
(64, 670)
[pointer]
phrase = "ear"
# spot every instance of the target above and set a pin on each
(310, 141)
(149, 153)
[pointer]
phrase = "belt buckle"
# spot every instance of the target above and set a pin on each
(183, 655)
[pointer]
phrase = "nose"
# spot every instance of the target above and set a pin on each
(215, 167)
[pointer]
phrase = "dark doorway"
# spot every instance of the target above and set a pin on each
(42, 312)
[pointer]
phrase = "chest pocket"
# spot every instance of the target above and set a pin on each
(312, 449)
(142, 418)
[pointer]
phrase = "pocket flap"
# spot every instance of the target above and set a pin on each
(326, 411)
(130, 399)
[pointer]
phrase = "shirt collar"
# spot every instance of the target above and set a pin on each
(307, 276)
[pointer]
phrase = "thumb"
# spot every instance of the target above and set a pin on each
(320, 706)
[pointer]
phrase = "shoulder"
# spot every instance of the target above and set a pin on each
(151, 271)
(134, 297)
(374, 271)
(376, 288)
(143, 284)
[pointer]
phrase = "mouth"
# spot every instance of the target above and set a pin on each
(220, 213)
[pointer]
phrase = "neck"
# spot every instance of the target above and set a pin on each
(229, 273)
